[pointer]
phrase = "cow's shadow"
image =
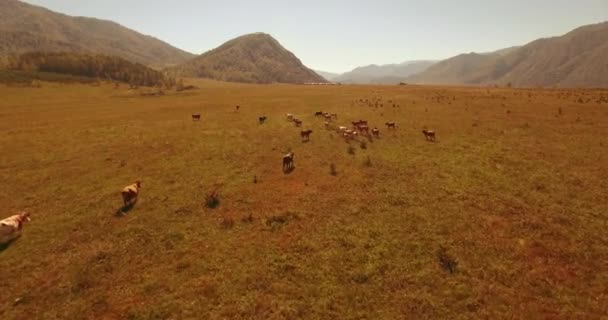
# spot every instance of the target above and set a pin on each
(124, 210)
(5, 245)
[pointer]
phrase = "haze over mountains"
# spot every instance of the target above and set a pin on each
(579, 58)
(382, 74)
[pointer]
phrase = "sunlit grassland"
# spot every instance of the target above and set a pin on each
(515, 192)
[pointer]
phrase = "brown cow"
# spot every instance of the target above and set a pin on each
(298, 122)
(429, 135)
(305, 134)
(196, 117)
(391, 125)
(363, 129)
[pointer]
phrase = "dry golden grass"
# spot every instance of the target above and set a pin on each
(503, 217)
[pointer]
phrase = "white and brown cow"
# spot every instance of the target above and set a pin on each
(376, 132)
(130, 194)
(288, 162)
(10, 228)
(429, 135)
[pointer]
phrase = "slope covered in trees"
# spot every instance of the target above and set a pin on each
(92, 66)
(26, 28)
(253, 58)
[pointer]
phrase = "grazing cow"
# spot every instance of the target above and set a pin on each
(306, 135)
(327, 125)
(327, 117)
(130, 193)
(196, 117)
(334, 116)
(289, 117)
(429, 135)
(288, 161)
(391, 125)
(363, 129)
(318, 113)
(262, 119)
(350, 134)
(376, 132)
(298, 122)
(10, 228)
(342, 129)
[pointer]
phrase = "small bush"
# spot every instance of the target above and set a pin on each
(447, 262)
(332, 169)
(212, 200)
(227, 222)
(248, 218)
(275, 222)
(350, 150)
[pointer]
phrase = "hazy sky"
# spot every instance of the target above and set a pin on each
(342, 34)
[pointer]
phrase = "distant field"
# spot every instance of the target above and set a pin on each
(514, 192)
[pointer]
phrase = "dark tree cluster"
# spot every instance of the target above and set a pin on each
(92, 66)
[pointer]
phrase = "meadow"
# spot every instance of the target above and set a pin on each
(504, 216)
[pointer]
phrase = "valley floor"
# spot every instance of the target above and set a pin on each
(512, 196)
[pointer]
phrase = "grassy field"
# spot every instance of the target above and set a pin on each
(514, 194)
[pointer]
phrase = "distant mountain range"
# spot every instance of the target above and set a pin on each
(327, 75)
(253, 58)
(576, 59)
(380, 74)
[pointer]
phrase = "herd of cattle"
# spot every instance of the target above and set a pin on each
(10, 228)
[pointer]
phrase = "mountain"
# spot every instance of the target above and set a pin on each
(252, 58)
(329, 76)
(383, 74)
(468, 68)
(25, 28)
(576, 59)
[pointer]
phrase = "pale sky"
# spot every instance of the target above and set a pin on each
(338, 35)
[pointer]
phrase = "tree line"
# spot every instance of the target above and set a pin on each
(92, 66)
